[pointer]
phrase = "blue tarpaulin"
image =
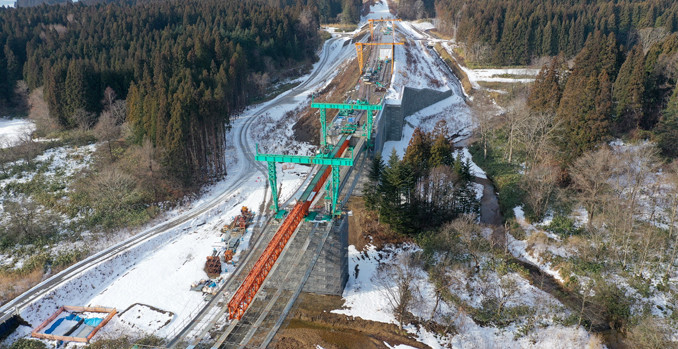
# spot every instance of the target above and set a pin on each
(94, 322)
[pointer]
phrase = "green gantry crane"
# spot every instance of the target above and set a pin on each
(326, 156)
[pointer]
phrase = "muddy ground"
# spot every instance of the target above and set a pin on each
(311, 324)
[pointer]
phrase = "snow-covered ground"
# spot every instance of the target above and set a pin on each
(523, 75)
(54, 170)
(13, 130)
(367, 297)
(422, 74)
(505, 75)
(377, 11)
(633, 173)
(63, 162)
(519, 248)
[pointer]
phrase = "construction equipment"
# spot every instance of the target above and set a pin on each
(244, 296)
(371, 21)
(328, 154)
(228, 255)
(359, 48)
(240, 222)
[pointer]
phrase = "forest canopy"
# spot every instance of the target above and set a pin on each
(183, 66)
(508, 32)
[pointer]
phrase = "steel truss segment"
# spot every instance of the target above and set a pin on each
(304, 160)
(345, 106)
(323, 127)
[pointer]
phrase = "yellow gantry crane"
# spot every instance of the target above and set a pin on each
(359, 48)
(381, 20)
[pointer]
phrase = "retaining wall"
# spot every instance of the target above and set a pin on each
(330, 273)
(392, 118)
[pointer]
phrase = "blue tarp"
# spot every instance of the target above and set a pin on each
(54, 326)
(94, 322)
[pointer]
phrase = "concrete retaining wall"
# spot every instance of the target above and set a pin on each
(330, 273)
(392, 117)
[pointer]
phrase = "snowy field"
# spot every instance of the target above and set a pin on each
(13, 130)
(505, 75)
(55, 168)
(367, 297)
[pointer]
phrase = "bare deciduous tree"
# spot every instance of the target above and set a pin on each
(107, 130)
(399, 282)
(516, 115)
(84, 119)
(535, 134)
(109, 97)
(483, 114)
(540, 186)
(590, 174)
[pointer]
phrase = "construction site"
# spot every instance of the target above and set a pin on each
(308, 248)
(263, 259)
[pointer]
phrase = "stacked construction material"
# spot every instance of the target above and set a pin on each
(213, 266)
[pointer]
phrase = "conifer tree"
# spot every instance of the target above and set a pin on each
(74, 91)
(667, 129)
(546, 91)
(441, 152)
(418, 152)
(629, 89)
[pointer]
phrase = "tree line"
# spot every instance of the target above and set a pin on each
(609, 93)
(425, 189)
(183, 66)
(508, 32)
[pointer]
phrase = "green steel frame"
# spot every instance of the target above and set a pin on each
(367, 127)
(273, 181)
(325, 157)
(336, 164)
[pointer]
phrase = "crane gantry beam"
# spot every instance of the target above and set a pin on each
(380, 20)
(359, 49)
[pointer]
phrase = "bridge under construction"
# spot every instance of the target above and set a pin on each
(307, 242)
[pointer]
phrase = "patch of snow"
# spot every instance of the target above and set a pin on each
(518, 248)
(423, 26)
(506, 75)
(365, 297)
(378, 10)
(13, 130)
(466, 156)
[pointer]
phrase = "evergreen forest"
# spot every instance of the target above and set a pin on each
(182, 66)
(507, 32)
